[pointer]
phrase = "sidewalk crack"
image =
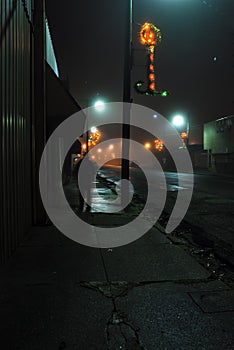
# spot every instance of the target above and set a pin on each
(121, 334)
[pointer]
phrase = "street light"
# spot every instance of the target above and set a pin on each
(127, 93)
(179, 121)
(127, 90)
(99, 106)
(93, 129)
(147, 145)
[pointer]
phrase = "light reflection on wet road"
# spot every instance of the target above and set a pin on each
(219, 185)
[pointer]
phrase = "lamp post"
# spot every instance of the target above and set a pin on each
(179, 121)
(127, 93)
(127, 88)
(99, 106)
(127, 83)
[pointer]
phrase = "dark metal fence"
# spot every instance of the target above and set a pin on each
(15, 124)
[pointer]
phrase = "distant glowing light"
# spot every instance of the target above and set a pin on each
(99, 150)
(111, 147)
(84, 146)
(178, 120)
(155, 116)
(99, 105)
(184, 135)
(94, 137)
(147, 145)
(93, 129)
(158, 145)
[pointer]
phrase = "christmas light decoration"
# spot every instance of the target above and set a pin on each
(150, 36)
(94, 137)
(158, 145)
(184, 135)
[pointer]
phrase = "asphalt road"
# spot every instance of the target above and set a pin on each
(211, 184)
(219, 185)
(211, 205)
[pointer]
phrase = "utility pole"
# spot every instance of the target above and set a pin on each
(87, 142)
(127, 93)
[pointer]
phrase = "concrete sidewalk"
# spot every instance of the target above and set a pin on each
(150, 294)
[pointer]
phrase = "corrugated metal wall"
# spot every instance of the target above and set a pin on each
(15, 125)
(29, 6)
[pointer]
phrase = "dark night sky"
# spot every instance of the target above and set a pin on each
(89, 42)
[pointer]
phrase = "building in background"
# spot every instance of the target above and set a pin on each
(33, 101)
(219, 142)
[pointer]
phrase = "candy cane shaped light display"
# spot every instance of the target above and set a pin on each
(150, 37)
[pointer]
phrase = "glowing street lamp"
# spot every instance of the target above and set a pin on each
(93, 129)
(99, 106)
(147, 145)
(179, 121)
(94, 137)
